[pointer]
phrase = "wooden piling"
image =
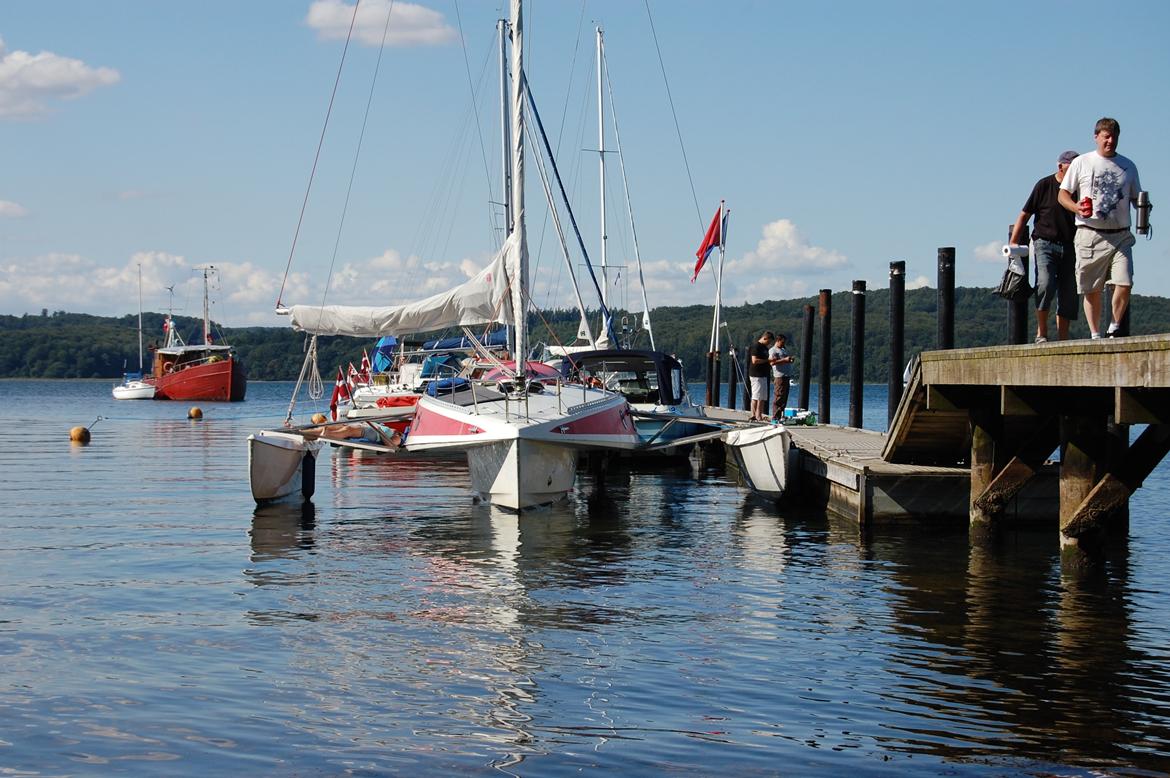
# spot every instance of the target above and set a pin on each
(824, 380)
(732, 377)
(897, 336)
(946, 297)
(806, 351)
(1085, 445)
(857, 356)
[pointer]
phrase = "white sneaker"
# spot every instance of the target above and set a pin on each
(1095, 336)
(1041, 339)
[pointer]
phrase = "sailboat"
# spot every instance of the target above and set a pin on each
(521, 436)
(134, 386)
(206, 371)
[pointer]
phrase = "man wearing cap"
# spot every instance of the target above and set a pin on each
(1052, 246)
(1099, 189)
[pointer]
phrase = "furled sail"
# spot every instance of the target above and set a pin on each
(481, 300)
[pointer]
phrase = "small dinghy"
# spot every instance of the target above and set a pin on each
(762, 455)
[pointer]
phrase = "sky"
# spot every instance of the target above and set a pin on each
(168, 137)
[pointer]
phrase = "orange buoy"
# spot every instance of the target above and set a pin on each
(195, 413)
(79, 435)
(319, 418)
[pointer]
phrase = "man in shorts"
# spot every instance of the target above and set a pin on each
(1052, 248)
(1099, 188)
(759, 372)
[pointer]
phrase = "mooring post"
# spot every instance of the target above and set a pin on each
(986, 427)
(857, 356)
(897, 336)
(1084, 454)
(946, 297)
(806, 339)
(717, 371)
(747, 385)
(732, 377)
(823, 380)
(711, 379)
(1018, 309)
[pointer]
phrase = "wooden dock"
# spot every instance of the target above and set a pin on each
(975, 429)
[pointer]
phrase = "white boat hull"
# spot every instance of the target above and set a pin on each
(134, 390)
(762, 456)
(281, 466)
(523, 454)
(519, 474)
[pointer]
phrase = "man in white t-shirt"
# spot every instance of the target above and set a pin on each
(1099, 188)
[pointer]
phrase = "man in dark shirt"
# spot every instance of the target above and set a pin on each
(758, 373)
(1052, 247)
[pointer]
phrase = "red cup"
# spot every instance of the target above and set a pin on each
(1087, 207)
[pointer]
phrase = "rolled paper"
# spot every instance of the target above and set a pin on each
(1013, 250)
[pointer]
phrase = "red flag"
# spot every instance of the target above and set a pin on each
(353, 379)
(340, 388)
(366, 367)
(716, 234)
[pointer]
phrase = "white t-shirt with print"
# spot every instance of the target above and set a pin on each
(1113, 184)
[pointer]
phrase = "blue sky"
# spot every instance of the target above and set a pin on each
(842, 136)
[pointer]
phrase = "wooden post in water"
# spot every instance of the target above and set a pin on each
(747, 384)
(711, 399)
(986, 427)
(806, 338)
(1086, 445)
(946, 297)
(857, 356)
(825, 305)
(897, 336)
(1018, 309)
(732, 376)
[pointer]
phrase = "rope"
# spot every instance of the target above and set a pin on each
(356, 155)
(317, 157)
(670, 99)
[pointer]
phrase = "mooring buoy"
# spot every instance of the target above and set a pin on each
(195, 413)
(79, 435)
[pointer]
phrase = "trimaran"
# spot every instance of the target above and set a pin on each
(521, 437)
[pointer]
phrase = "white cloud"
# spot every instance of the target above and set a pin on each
(782, 246)
(29, 81)
(992, 251)
(410, 24)
(921, 282)
(12, 210)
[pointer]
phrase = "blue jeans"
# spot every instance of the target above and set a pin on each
(1056, 277)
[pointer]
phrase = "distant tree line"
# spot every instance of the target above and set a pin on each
(75, 345)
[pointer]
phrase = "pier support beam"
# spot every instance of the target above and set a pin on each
(986, 428)
(1085, 445)
(824, 380)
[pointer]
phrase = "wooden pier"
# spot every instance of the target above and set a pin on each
(975, 429)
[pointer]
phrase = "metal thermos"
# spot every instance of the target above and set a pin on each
(1143, 212)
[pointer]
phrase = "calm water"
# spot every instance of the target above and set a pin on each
(153, 622)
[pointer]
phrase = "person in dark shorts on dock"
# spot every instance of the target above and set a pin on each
(781, 362)
(1052, 248)
(1099, 189)
(758, 373)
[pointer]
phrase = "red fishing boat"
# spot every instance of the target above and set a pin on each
(206, 371)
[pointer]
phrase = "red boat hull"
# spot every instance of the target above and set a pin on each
(223, 381)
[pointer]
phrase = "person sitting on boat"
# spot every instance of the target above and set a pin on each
(370, 431)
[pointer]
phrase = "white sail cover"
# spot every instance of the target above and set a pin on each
(480, 300)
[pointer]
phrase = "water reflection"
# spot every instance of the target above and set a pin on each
(1001, 652)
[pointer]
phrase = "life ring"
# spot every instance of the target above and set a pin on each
(168, 367)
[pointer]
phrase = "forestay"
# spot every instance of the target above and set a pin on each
(481, 300)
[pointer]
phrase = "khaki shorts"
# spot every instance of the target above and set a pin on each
(1101, 257)
(759, 388)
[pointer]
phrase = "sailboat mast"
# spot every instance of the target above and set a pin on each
(206, 312)
(601, 170)
(140, 318)
(520, 275)
(505, 128)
